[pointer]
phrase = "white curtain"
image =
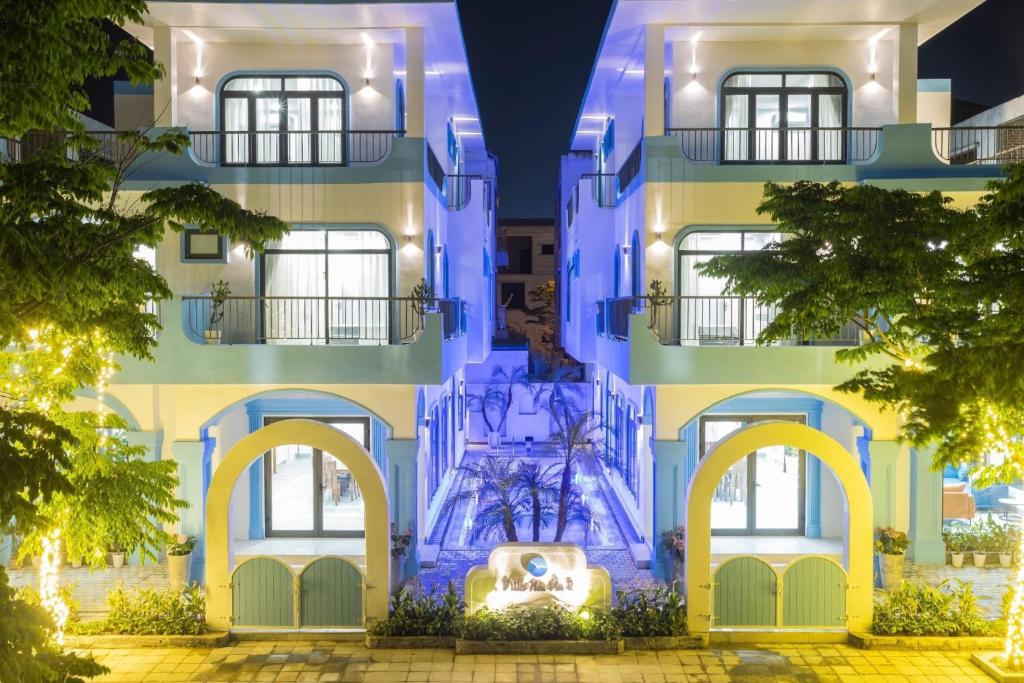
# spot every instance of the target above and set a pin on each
(268, 118)
(736, 122)
(299, 149)
(830, 115)
(294, 320)
(329, 118)
(236, 117)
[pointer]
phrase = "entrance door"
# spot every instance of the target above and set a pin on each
(762, 493)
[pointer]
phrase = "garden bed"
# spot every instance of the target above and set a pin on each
(113, 641)
(666, 643)
(989, 662)
(539, 647)
(410, 642)
(869, 641)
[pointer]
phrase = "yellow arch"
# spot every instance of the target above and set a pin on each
(237, 460)
(698, 514)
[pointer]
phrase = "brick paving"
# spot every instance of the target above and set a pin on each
(330, 661)
(990, 583)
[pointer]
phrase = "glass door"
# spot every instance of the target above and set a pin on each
(762, 493)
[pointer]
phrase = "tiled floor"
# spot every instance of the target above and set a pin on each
(324, 661)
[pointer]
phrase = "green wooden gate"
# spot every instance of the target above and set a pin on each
(262, 593)
(745, 593)
(331, 591)
(814, 593)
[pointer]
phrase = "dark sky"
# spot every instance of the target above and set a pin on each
(531, 60)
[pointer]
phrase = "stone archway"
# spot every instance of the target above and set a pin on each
(238, 459)
(698, 514)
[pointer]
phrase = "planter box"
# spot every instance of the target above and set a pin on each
(869, 641)
(410, 642)
(119, 642)
(989, 663)
(539, 647)
(666, 643)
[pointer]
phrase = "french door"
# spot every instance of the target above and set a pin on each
(764, 492)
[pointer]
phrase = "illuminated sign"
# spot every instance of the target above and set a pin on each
(537, 574)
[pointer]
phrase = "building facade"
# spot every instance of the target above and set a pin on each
(526, 261)
(777, 478)
(311, 400)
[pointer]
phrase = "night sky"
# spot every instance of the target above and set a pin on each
(531, 59)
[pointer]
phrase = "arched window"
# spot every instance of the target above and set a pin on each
(282, 120)
(399, 105)
(783, 116)
(616, 272)
(635, 281)
(430, 264)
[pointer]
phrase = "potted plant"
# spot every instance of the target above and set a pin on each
(983, 539)
(400, 542)
(117, 554)
(955, 546)
(422, 296)
(657, 298)
(675, 544)
(219, 293)
(179, 560)
(890, 544)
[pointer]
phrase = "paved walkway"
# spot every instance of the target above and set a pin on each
(990, 583)
(91, 587)
(324, 661)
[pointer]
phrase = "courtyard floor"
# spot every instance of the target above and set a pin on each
(328, 661)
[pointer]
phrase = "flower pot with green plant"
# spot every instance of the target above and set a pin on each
(956, 542)
(219, 293)
(117, 554)
(400, 542)
(179, 560)
(984, 542)
(891, 546)
(675, 545)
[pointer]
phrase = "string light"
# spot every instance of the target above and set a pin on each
(49, 571)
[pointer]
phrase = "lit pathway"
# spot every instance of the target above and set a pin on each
(299, 661)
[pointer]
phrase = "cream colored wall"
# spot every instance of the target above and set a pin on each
(695, 100)
(934, 108)
(370, 107)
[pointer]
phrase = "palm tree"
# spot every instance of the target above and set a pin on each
(576, 437)
(538, 485)
(496, 400)
(501, 502)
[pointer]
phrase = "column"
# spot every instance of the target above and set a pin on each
(654, 81)
(926, 545)
(165, 90)
(256, 515)
(189, 456)
(812, 521)
(401, 459)
(415, 75)
(906, 75)
(885, 457)
(670, 479)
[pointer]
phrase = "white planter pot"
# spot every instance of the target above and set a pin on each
(890, 569)
(177, 570)
(979, 559)
(493, 439)
(76, 563)
(212, 336)
(117, 559)
(1005, 560)
(956, 559)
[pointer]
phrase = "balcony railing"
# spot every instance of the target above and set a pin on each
(709, 321)
(458, 190)
(630, 167)
(293, 148)
(604, 187)
(778, 145)
(974, 145)
(373, 321)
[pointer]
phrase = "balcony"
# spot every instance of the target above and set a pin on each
(778, 145)
(979, 146)
(604, 191)
(293, 148)
(707, 321)
(316, 321)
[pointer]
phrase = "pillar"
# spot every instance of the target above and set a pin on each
(884, 479)
(654, 81)
(906, 74)
(926, 545)
(670, 480)
(165, 90)
(415, 77)
(189, 456)
(812, 520)
(255, 473)
(401, 480)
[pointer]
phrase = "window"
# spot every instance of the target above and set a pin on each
(203, 245)
(520, 255)
(795, 117)
(329, 285)
(547, 250)
(308, 492)
(283, 120)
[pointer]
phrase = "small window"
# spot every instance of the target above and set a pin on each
(547, 250)
(202, 245)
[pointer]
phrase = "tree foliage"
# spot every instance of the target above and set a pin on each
(936, 291)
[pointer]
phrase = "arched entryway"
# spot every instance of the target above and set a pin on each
(700, 586)
(320, 436)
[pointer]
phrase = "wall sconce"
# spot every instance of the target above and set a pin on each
(438, 249)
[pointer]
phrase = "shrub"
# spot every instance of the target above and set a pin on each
(889, 541)
(181, 545)
(539, 623)
(66, 592)
(147, 612)
(648, 613)
(921, 610)
(414, 613)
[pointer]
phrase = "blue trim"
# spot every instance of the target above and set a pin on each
(934, 85)
(280, 405)
(129, 88)
(256, 510)
(864, 451)
(812, 477)
(283, 72)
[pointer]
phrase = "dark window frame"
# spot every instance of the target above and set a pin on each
(188, 255)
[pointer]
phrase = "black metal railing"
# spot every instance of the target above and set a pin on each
(452, 313)
(293, 148)
(778, 145)
(630, 168)
(604, 188)
(312, 320)
(457, 190)
(995, 145)
(710, 321)
(434, 168)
